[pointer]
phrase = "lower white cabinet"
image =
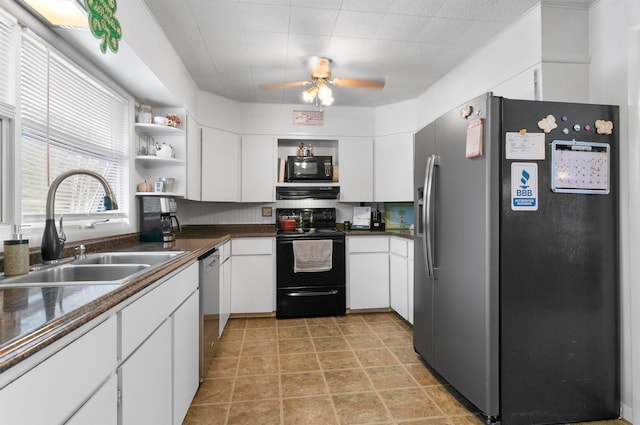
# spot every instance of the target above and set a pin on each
(410, 274)
(101, 408)
(252, 275)
(146, 381)
(186, 356)
(368, 272)
(399, 270)
(53, 390)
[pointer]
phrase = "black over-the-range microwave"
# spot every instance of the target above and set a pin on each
(309, 168)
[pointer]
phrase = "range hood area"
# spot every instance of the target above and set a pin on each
(307, 192)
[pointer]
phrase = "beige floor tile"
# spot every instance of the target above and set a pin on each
(260, 347)
(320, 321)
(228, 349)
(330, 329)
(309, 411)
(222, 367)
(386, 327)
(397, 339)
(248, 388)
(360, 408)
(236, 324)
(421, 374)
(264, 412)
(387, 377)
(376, 357)
(290, 363)
(292, 332)
(303, 384)
(298, 345)
(338, 360)
(359, 328)
(347, 381)
(405, 355)
(445, 401)
(285, 323)
(207, 414)
(214, 391)
(258, 365)
(348, 318)
(361, 342)
(232, 335)
(409, 403)
(253, 334)
(330, 343)
(261, 322)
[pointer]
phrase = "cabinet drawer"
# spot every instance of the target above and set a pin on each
(142, 317)
(398, 246)
(252, 246)
(368, 244)
(50, 392)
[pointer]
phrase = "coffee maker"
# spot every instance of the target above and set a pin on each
(158, 221)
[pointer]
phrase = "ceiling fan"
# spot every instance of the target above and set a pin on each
(320, 78)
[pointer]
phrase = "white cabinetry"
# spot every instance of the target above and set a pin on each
(393, 168)
(220, 166)
(186, 355)
(101, 408)
(53, 390)
(258, 168)
(225, 284)
(146, 380)
(356, 169)
(368, 276)
(151, 381)
(252, 275)
(194, 159)
(399, 276)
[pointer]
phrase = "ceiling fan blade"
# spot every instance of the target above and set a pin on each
(354, 82)
(268, 87)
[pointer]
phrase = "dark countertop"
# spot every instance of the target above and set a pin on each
(32, 318)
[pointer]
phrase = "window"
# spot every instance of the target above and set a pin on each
(69, 120)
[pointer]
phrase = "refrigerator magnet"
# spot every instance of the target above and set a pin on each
(524, 186)
(474, 138)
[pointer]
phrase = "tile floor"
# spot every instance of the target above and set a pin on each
(355, 369)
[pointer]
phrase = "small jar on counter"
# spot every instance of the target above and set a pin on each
(16, 254)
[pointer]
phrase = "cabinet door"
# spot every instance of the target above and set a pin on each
(185, 356)
(102, 407)
(146, 381)
(258, 168)
(220, 166)
(252, 284)
(398, 284)
(369, 280)
(356, 169)
(194, 161)
(393, 168)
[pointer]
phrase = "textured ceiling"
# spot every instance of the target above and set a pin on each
(231, 47)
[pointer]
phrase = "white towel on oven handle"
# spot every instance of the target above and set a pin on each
(312, 256)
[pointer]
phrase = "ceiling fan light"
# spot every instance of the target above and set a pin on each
(310, 94)
(325, 95)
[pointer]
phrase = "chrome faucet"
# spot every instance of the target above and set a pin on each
(52, 244)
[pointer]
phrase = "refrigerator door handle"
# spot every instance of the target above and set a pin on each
(428, 217)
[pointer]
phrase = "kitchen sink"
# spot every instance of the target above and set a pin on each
(113, 268)
(148, 258)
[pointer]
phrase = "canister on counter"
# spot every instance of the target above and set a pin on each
(16, 254)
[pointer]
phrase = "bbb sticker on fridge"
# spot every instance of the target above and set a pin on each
(524, 186)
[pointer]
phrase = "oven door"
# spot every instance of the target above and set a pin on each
(309, 294)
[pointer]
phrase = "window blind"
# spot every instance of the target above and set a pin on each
(8, 28)
(69, 120)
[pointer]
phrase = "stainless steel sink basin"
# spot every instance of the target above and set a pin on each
(148, 258)
(114, 268)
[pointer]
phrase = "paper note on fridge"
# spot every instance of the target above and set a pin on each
(524, 146)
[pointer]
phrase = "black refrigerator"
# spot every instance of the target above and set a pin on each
(516, 258)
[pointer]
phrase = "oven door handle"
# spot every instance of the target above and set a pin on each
(312, 293)
(290, 242)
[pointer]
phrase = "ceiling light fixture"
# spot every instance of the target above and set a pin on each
(319, 92)
(61, 13)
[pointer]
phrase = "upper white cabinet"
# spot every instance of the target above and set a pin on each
(220, 165)
(258, 168)
(393, 166)
(194, 162)
(356, 169)
(150, 165)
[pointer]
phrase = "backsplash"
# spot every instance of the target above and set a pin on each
(191, 213)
